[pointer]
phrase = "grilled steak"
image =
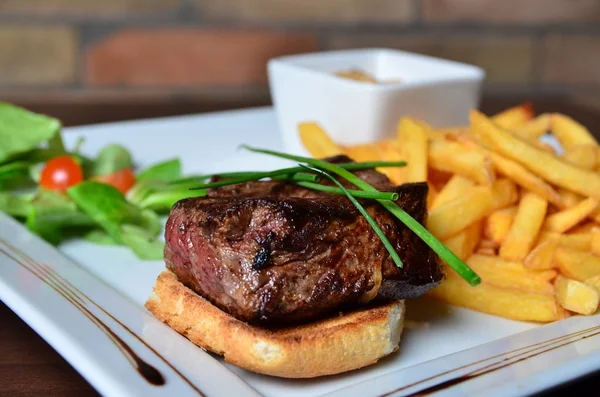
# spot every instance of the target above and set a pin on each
(270, 251)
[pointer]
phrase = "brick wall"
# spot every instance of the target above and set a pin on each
(217, 49)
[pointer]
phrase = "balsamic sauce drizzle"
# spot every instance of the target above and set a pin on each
(79, 300)
(526, 353)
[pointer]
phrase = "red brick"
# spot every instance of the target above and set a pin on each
(308, 10)
(505, 59)
(571, 59)
(511, 11)
(90, 8)
(31, 55)
(183, 57)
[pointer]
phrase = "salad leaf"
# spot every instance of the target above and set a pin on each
(167, 171)
(22, 130)
(14, 175)
(112, 158)
(18, 206)
(98, 236)
(142, 245)
(109, 208)
(55, 218)
(162, 200)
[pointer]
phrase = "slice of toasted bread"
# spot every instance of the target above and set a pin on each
(337, 344)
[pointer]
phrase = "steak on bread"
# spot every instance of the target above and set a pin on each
(279, 264)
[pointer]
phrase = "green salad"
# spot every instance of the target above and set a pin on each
(61, 194)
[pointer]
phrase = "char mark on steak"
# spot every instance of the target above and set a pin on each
(274, 252)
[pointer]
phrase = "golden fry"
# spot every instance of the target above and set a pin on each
(525, 227)
(584, 156)
(576, 296)
(507, 278)
(595, 243)
(456, 186)
(578, 241)
(594, 282)
(514, 118)
(507, 303)
(459, 159)
(576, 264)
(497, 225)
(497, 264)
(569, 198)
(505, 194)
(545, 165)
(412, 140)
(317, 142)
(451, 218)
(488, 244)
(464, 243)
(535, 128)
(570, 132)
(486, 251)
(526, 179)
(542, 256)
(391, 152)
(566, 219)
(364, 152)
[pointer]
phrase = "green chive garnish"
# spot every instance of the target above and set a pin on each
(354, 193)
(240, 177)
(446, 254)
(368, 217)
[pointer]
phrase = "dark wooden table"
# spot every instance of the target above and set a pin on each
(30, 367)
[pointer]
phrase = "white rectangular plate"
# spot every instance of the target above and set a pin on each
(87, 302)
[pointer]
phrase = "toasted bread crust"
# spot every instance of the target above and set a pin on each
(330, 346)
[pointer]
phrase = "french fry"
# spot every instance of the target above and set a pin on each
(459, 159)
(432, 193)
(316, 141)
(578, 241)
(464, 243)
(525, 178)
(497, 224)
(486, 251)
(584, 156)
(525, 227)
(456, 186)
(507, 278)
(412, 139)
(569, 198)
(595, 243)
(451, 218)
(545, 165)
(570, 132)
(365, 152)
(515, 117)
(507, 303)
(391, 152)
(576, 296)
(566, 219)
(586, 227)
(497, 264)
(488, 244)
(535, 128)
(576, 264)
(594, 282)
(504, 193)
(438, 178)
(542, 256)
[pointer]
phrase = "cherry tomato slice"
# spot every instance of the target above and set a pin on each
(122, 180)
(60, 173)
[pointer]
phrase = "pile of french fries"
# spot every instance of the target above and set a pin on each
(523, 216)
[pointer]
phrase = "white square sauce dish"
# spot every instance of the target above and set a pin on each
(312, 87)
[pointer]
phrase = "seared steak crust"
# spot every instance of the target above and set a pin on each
(272, 252)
